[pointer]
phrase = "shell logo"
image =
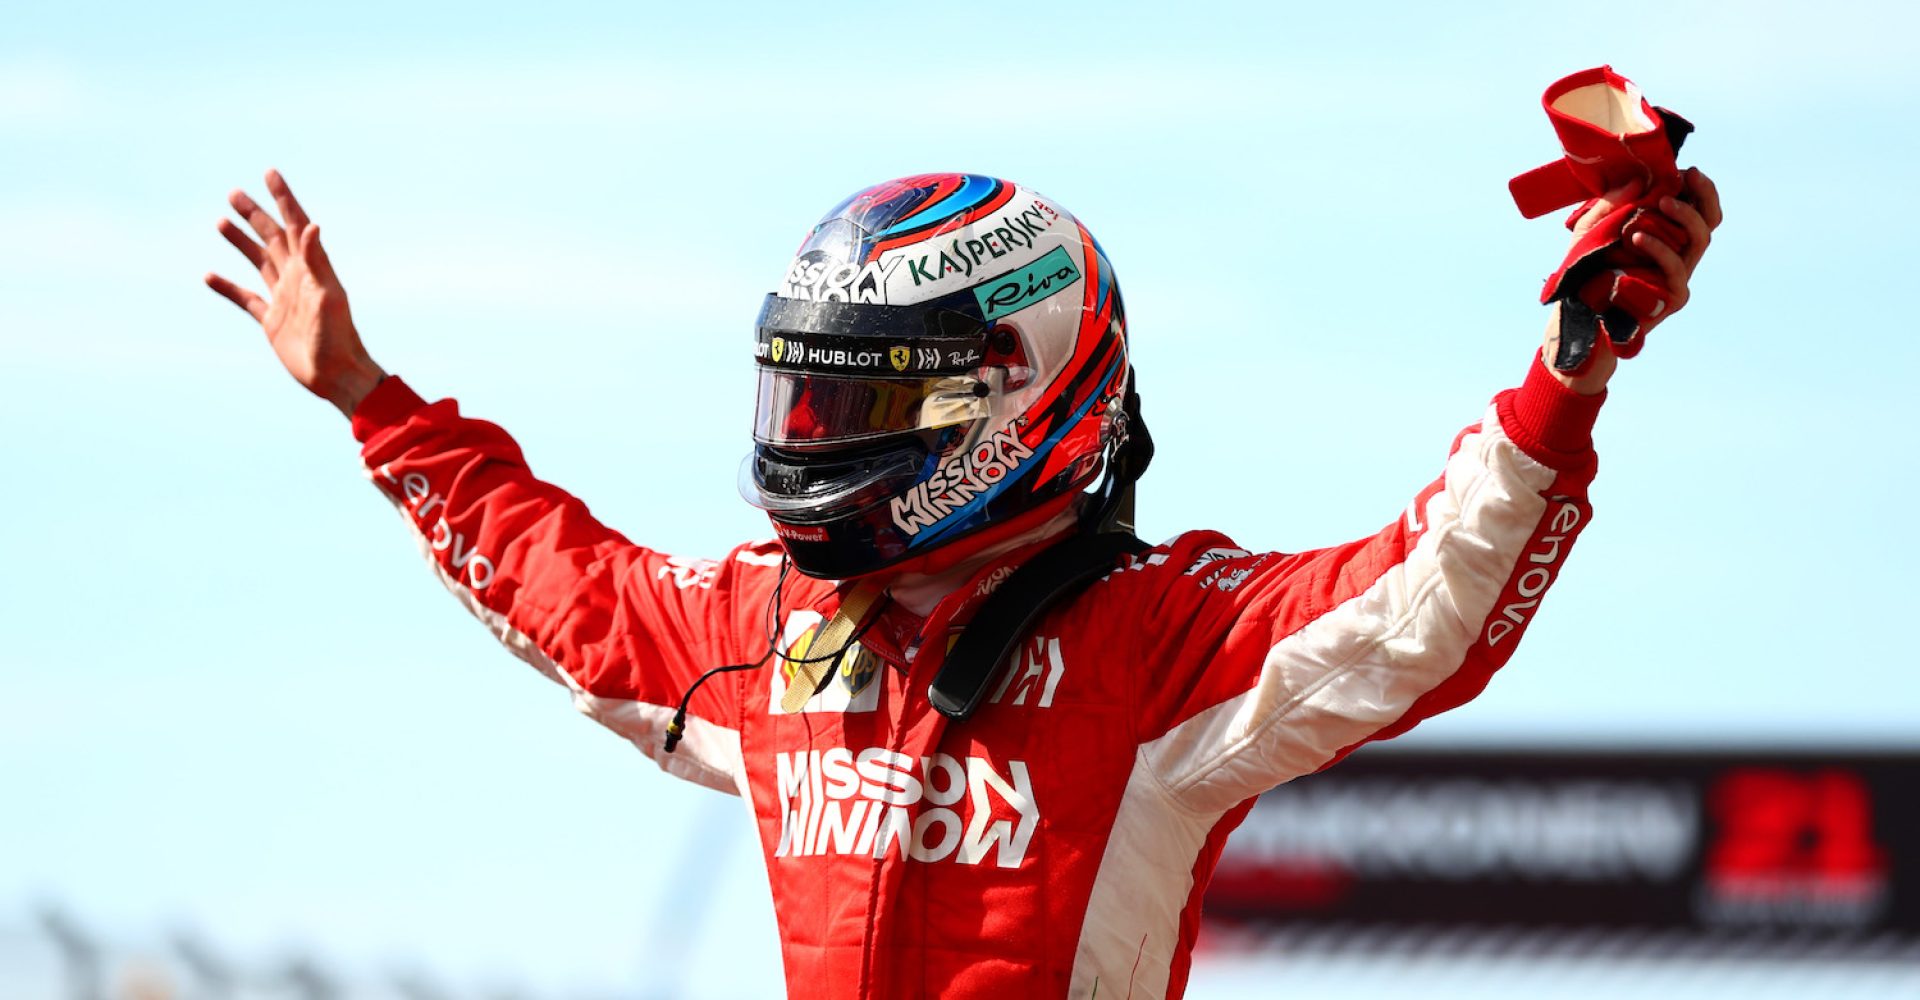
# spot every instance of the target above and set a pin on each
(798, 650)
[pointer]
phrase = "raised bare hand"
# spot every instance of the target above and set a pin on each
(304, 314)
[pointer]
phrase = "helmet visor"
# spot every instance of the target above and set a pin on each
(799, 411)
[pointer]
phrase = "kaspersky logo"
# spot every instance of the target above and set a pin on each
(877, 802)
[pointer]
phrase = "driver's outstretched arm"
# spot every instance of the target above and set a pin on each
(626, 628)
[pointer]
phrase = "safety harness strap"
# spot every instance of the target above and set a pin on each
(1035, 588)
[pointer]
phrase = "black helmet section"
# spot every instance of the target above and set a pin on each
(856, 534)
(815, 488)
(941, 337)
(844, 548)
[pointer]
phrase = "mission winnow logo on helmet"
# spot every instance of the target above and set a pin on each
(958, 480)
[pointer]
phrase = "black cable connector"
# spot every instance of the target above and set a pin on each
(678, 727)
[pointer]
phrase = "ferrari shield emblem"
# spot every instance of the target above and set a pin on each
(779, 348)
(899, 356)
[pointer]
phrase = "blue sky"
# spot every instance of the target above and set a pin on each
(231, 696)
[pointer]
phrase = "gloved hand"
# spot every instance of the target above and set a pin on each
(1613, 138)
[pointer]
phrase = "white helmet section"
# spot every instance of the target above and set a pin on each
(1017, 261)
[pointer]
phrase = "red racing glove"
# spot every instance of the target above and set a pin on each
(1612, 136)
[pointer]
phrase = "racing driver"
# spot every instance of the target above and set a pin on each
(945, 438)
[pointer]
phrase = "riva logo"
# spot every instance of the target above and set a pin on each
(876, 802)
(1541, 562)
(1020, 288)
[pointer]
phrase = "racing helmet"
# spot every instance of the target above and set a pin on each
(945, 353)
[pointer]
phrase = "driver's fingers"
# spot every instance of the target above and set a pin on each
(1705, 195)
(253, 304)
(253, 252)
(316, 256)
(1699, 234)
(290, 209)
(262, 223)
(1606, 203)
(1670, 262)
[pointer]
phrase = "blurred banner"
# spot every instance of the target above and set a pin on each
(1799, 848)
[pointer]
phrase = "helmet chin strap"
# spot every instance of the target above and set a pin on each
(1132, 453)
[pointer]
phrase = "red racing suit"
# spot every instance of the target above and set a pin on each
(1057, 843)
